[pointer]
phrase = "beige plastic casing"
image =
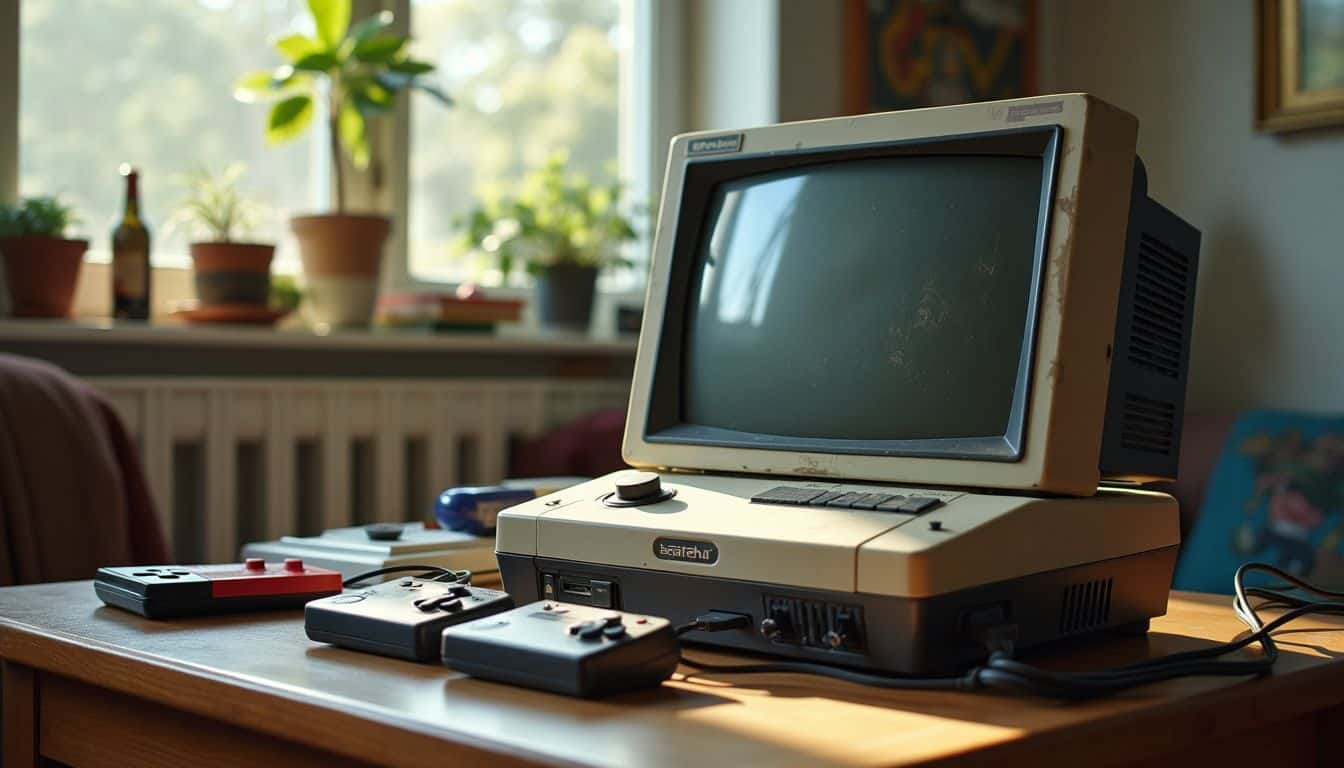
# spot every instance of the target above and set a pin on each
(1075, 326)
(983, 538)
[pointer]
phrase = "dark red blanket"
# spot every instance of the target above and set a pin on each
(72, 492)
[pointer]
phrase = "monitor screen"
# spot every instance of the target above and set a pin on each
(874, 299)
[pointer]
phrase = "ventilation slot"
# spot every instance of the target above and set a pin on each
(1086, 606)
(1148, 425)
(1157, 330)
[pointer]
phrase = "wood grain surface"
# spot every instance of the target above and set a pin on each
(259, 673)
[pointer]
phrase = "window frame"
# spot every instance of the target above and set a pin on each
(649, 117)
(649, 85)
(9, 101)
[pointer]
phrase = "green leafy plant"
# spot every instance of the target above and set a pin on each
(363, 67)
(556, 219)
(37, 217)
(214, 208)
(285, 292)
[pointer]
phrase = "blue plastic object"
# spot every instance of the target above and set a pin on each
(474, 510)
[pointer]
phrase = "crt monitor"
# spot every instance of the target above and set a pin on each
(980, 295)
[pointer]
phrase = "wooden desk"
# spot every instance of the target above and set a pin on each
(93, 686)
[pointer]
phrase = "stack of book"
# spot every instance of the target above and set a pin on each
(437, 311)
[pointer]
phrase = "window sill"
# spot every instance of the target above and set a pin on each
(106, 348)
(173, 285)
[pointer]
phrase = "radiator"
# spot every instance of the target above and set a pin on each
(230, 461)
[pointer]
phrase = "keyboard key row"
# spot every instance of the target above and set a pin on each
(820, 497)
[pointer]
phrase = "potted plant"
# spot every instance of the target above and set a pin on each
(564, 229)
(226, 272)
(358, 69)
(41, 264)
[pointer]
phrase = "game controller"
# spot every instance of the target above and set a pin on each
(576, 650)
(168, 591)
(401, 618)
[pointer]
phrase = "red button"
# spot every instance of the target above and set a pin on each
(641, 621)
(254, 564)
(294, 564)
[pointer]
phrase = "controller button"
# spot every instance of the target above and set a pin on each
(254, 564)
(573, 629)
(548, 607)
(182, 573)
(426, 604)
(407, 583)
(641, 621)
(460, 590)
(383, 531)
(344, 599)
(293, 565)
(590, 630)
(167, 576)
(611, 620)
(615, 632)
(144, 573)
(451, 606)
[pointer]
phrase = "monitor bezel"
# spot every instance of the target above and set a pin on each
(1077, 308)
(664, 422)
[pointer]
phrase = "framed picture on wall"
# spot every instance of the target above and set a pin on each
(902, 54)
(1301, 60)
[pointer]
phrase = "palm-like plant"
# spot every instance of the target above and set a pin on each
(214, 207)
(363, 67)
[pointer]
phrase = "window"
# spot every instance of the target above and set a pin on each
(150, 82)
(531, 78)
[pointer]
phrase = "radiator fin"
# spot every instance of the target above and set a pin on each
(230, 461)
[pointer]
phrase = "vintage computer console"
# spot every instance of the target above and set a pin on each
(892, 371)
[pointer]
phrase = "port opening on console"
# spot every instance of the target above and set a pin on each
(815, 624)
(575, 586)
(582, 589)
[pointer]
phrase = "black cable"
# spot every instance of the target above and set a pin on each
(431, 572)
(963, 683)
(714, 621)
(1001, 671)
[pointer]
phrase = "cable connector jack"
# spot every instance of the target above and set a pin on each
(716, 621)
(990, 627)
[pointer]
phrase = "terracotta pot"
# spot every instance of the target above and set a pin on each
(41, 273)
(232, 273)
(341, 255)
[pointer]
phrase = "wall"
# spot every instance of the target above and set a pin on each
(731, 63)
(755, 62)
(811, 60)
(1269, 329)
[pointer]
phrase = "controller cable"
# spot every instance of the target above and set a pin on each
(1003, 672)
(431, 572)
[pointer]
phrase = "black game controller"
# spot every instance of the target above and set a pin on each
(576, 650)
(400, 618)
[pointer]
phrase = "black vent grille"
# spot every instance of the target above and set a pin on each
(1148, 425)
(1157, 332)
(1087, 605)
